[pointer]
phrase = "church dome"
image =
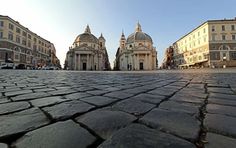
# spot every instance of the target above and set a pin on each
(86, 37)
(138, 35)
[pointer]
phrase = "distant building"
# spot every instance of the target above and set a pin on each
(212, 44)
(136, 53)
(22, 46)
(168, 62)
(87, 53)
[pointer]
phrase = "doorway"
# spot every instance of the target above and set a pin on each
(84, 66)
(141, 65)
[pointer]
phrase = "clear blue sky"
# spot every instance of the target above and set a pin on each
(60, 21)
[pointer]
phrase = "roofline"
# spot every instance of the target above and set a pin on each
(9, 18)
(208, 21)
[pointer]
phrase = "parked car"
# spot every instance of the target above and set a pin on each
(7, 65)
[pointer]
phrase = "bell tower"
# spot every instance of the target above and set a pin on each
(122, 40)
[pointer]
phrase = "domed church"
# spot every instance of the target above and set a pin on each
(136, 52)
(87, 53)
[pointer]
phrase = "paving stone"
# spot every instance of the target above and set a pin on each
(162, 91)
(179, 107)
(222, 96)
(3, 145)
(221, 124)
(4, 100)
(10, 89)
(67, 109)
(19, 92)
(221, 109)
(44, 90)
(47, 101)
(77, 96)
(149, 98)
(104, 123)
(133, 106)
(62, 92)
(30, 96)
(97, 92)
(118, 95)
(7, 108)
(222, 101)
(193, 93)
(187, 99)
(218, 85)
(219, 141)
(177, 123)
(21, 122)
(139, 136)
(65, 134)
(98, 100)
(220, 90)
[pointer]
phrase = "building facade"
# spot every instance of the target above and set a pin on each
(87, 53)
(23, 47)
(212, 44)
(136, 52)
(168, 61)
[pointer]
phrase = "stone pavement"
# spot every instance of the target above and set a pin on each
(166, 109)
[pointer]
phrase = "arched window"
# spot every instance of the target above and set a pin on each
(224, 47)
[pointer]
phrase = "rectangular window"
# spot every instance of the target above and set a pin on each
(213, 28)
(35, 40)
(24, 33)
(232, 27)
(18, 30)
(233, 55)
(223, 37)
(1, 35)
(17, 39)
(29, 44)
(11, 26)
(204, 30)
(10, 36)
(198, 33)
(1, 23)
(24, 42)
(233, 37)
(223, 27)
(16, 56)
(213, 37)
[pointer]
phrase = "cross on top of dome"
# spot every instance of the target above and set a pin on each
(138, 27)
(87, 30)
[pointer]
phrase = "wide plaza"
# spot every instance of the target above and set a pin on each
(72, 109)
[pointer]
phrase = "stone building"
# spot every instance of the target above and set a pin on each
(136, 52)
(168, 62)
(212, 44)
(23, 47)
(87, 53)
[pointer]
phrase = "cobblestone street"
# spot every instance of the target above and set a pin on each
(164, 109)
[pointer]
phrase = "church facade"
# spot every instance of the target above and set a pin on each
(136, 52)
(87, 53)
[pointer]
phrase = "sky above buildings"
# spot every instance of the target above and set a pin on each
(60, 21)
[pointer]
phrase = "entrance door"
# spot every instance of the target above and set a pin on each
(84, 66)
(141, 65)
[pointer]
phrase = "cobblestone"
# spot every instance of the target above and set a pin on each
(59, 135)
(186, 108)
(105, 123)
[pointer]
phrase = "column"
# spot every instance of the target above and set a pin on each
(79, 63)
(75, 61)
(146, 63)
(87, 63)
(138, 68)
